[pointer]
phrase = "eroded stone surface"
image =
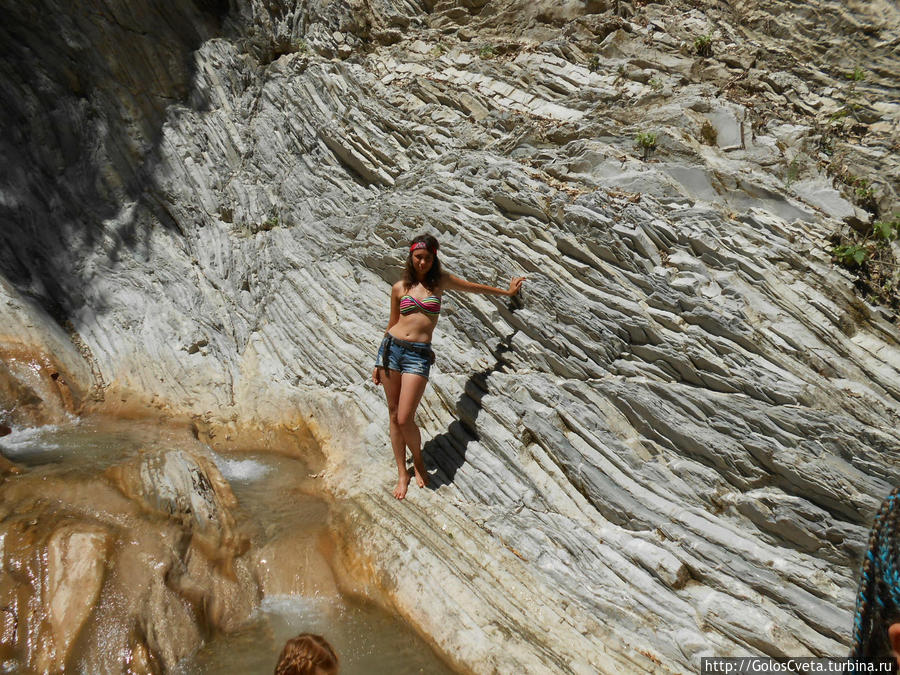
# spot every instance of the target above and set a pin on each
(671, 450)
(97, 581)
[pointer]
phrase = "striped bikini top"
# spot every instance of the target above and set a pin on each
(430, 305)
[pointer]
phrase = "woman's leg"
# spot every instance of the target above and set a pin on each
(411, 390)
(390, 380)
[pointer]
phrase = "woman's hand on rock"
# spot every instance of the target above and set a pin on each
(515, 285)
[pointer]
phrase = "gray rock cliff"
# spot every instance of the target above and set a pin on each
(670, 449)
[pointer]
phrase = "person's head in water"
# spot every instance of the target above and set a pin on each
(876, 625)
(307, 654)
(422, 264)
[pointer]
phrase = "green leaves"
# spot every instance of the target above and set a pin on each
(851, 255)
(858, 75)
(885, 230)
(646, 141)
(703, 45)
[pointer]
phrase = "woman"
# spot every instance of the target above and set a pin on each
(876, 625)
(405, 357)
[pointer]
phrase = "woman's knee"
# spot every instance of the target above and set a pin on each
(406, 419)
(393, 415)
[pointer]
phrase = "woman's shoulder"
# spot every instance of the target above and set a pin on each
(447, 281)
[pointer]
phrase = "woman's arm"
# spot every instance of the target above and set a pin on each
(395, 305)
(452, 283)
(396, 289)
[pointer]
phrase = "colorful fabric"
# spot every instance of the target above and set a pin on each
(430, 305)
(421, 244)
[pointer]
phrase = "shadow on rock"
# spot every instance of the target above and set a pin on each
(446, 453)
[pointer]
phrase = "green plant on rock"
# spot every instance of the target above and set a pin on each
(300, 46)
(865, 194)
(655, 84)
(486, 52)
(703, 45)
(594, 63)
(858, 75)
(852, 101)
(646, 141)
(850, 255)
(887, 230)
(793, 172)
(864, 191)
(870, 256)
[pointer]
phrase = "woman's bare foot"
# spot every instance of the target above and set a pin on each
(402, 485)
(421, 476)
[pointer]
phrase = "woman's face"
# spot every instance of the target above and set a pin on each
(423, 259)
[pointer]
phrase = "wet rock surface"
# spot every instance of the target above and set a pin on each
(98, 577)
(670, 449)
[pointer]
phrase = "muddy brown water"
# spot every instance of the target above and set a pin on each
(278, 505)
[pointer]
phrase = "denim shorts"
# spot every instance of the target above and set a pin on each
(407, 357)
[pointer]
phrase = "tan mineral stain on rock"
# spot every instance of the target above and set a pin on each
(76, 567)
(133, 568)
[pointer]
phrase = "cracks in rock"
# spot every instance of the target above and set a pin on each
(473, 391)
(98, 386)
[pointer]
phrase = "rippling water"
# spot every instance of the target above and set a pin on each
(278, 505)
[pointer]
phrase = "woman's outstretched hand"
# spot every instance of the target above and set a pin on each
(515, 285)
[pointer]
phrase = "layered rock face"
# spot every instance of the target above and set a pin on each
(670, 448)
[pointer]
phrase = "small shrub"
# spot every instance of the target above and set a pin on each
(865, 194)
(887, 230)
(850, 255)
(594, 64)
(858, 75)
(655, 84)
(486, 52)
(646, 141)
(300, 46)
(863, 189)
(703, 45)
(871, 260)
(793, 172)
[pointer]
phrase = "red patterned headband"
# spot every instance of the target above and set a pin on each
(422, 244)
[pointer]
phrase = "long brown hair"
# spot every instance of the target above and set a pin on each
(307, 654)
(432, 276)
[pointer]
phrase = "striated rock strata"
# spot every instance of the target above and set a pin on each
(671, 449)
